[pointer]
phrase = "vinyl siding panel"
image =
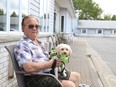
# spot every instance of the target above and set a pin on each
(34, 7)
(51, 16)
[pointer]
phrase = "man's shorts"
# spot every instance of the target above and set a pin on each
(41, 81)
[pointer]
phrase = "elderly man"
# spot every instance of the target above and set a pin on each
(33, 57)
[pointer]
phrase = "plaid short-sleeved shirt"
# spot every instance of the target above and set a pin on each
(26, 51)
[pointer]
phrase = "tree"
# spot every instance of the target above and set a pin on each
(113, 17)
(107, 17)
(14, 14)
(87, 9)
(1, 12)
(23, 14)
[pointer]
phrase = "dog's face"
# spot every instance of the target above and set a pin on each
(64, 49)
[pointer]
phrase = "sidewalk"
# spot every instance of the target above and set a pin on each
(80, 62)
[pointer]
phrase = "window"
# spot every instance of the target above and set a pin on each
(3, 15)
(54, 28)
(44, 15)
(107, 31)
(12, 12)
(114, 31)
(91, 31)
(83, 30)
(14, 15)
(99, 31)
(79, 31)
(62, 23)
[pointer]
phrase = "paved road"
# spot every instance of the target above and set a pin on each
(106, 48)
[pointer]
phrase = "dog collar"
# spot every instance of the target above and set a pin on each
(65, 59)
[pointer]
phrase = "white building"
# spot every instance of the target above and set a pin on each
(55, 16)
(96, 28)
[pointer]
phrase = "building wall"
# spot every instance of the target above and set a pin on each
(4, 63)
(75, 24)
(58, 16)
(51, 14)
(69, 24)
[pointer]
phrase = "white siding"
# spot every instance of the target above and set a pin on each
(51, 16)
(68, 24)
(96, 24)
(57, 10)
(75, 25)
(34, 7)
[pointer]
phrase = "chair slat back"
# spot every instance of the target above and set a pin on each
(20, 77)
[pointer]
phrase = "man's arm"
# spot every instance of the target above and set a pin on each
(33, 66)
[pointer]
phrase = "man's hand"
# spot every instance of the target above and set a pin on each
(58, 62)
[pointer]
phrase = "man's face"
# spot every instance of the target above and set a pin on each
(31, 28)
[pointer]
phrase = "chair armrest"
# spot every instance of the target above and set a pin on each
(34, 73)
(20, 72)
(45, 74)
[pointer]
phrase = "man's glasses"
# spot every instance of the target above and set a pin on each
(31, 26)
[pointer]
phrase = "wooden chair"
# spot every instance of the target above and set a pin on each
(19, 73)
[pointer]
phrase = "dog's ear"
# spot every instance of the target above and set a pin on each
(70, 50)
(57, 48)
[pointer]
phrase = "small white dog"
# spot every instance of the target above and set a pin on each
(63, 52)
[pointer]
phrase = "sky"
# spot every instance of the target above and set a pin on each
(108, 6)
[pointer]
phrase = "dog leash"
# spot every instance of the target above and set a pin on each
(63, 67)
(53, 67)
